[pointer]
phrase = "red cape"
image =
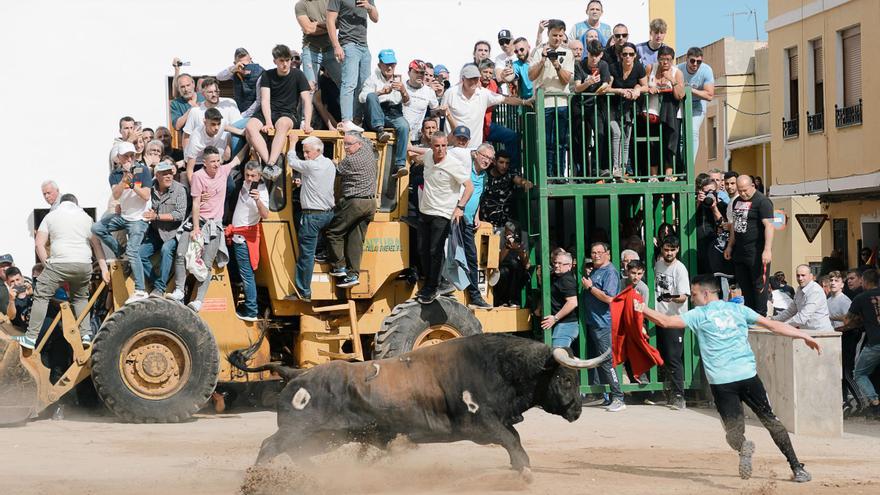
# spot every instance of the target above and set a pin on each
(628, 343)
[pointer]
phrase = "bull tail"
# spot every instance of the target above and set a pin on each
(239, 358)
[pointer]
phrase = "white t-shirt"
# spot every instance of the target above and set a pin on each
(443, 183)
(199, 140)
(673, 279)
(420, 100)
(227, 107)
(69, 229)
(246, 212)
(470, 112)
(548, 79)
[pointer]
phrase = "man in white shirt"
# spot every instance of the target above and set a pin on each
(838, 302)
(250, 210)
(209, 134)
(503, 71)
(810, 309)
(231, 121)
(51, 194)
(317, 201)
(69, 229)
(466, 104)
(552, 70)
(672, 288)
(421, 99)
(131, 184)
(385, 96)
(440, 205)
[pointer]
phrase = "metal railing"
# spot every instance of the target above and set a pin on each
(815, 123)
(790, 128)
(848, 116)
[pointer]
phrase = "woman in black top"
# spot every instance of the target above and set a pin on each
(629, 80)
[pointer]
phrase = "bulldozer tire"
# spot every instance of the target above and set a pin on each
(154, 361)
(412, 325)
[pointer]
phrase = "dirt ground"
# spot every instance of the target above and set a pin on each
(645, 449)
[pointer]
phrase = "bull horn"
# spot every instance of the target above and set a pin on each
(562, 357)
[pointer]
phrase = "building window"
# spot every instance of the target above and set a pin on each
(841, 237)
(848, 110)
(816, 113)
(712, 138)
(790, 121)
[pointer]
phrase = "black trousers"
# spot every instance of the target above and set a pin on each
(670, 342)
(849, 346)
(468, 236)
(728, 401)
(753, 278)
(433, 231)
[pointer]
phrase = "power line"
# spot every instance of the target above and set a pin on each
(728, 105)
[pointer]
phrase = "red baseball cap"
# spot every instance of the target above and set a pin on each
(417, 65)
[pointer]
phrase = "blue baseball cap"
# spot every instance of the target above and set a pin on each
(386, 56)
(461, 131)
(440, 68)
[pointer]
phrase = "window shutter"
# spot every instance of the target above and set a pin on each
(852, 66)
(818, 61)
(793, 63)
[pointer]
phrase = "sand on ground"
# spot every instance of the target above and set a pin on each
(645, 449)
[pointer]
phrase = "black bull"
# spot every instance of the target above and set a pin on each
(472, 388)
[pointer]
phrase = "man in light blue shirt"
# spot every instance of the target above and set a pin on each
(701, 79)
(594, 13)
(722, 329)
(481, 159)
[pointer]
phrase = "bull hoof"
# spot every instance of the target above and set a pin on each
(526, 474)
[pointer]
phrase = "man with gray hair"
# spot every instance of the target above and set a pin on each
(481, 159)
(167, 211)
(317, 200)
(718, 176)
(626, 256)
(51, 194)
(69, 229)
(810, 308)
(355, 210)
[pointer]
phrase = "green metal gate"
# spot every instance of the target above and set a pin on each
(578, 192)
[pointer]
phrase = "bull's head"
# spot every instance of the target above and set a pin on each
(562, 396)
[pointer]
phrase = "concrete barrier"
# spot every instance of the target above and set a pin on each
(804, 388)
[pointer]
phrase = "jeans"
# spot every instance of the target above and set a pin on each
(243, 259)
(556, 129)
(136, 230)
(151, 245)
(346, 232)
(77, 276)
(601, 338)
(620, 136)
(236, 143)
(696, 123)
(564, 333)
(433, 231)
(355, 70)
(377, 119)
(309, 227)
(468, 233)
(728, 401)
(867, 362)
(312, 61)
(510, 139)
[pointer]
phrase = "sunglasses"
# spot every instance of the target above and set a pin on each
(628, 54)
(503, 42)
(521, 50)
(694, 61)
(621, 35)
(297, 59)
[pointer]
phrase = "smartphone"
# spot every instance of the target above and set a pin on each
(254, 186)
(509, 63)
(398, 78)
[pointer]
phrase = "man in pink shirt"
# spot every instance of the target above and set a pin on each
(208, 191)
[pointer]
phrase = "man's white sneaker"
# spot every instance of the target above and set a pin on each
(137, 295)
(616, 405)
(348, 125)
(196, 306)
(177, 295)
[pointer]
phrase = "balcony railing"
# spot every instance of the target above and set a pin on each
(815, 123)
(848, 116)
(790, 128)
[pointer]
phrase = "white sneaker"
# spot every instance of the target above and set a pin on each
(196, 306)
(177, 295)
(137, 295)
(348, 125)
(246, 318)
(617, 405)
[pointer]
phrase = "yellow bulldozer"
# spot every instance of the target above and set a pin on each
(156, 361)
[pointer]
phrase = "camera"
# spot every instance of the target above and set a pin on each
(20, 288)
(181, 64)
(555, 54)
(666, 297)
(710, 199)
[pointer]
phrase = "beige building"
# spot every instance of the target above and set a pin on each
(735, 134)
(824, 133)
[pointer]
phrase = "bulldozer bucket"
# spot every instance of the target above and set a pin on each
(19, 398)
